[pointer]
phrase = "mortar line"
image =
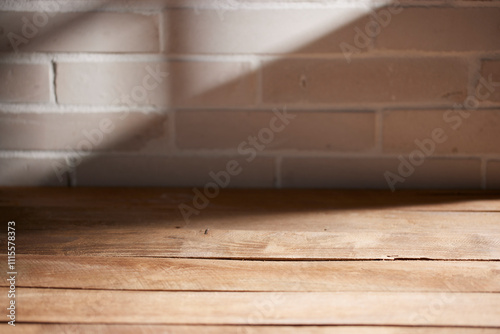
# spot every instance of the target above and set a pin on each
(161, 31)
(52, 82)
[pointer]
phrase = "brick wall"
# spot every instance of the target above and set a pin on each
(254, 93)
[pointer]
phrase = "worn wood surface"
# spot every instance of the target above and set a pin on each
(235, 329)
(442, 244)
(124, 260)
(129, 273)
(257, 308)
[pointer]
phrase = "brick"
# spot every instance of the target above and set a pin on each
(171, 171)
(360, 173)
(330, 131)
(388, 80)
(493, 175)
(476, 134)
(490, 72)
(24, 83)
(186, 84)
(29, 172)
(442, 29)
(79, 32)
(261, 31)
(88, 132)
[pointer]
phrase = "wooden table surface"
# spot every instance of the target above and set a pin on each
(118, 260)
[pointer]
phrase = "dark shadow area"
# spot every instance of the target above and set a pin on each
(231, 209)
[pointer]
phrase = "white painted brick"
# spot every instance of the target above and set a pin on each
(24, 83)
(172, 171)
(360, 173)
(29, 172)
(366, 80)
(185, 84)
(78, 32)
(79, 131)
(260, 31)
(308, 130)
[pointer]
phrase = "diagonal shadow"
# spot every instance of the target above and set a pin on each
(140, 135)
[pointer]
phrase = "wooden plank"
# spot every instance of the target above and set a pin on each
(168, 329)
(287, 231)
(228, 199)
(232, 275)
(55, 218)
(442, 242)
(249, 308)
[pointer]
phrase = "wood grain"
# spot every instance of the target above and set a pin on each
(104, 218)
(124, 260)
(214, 329)
(256, 224)
(233, 275)
(440, 243)
(264, 308)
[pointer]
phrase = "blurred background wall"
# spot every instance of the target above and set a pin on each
(253, 93)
